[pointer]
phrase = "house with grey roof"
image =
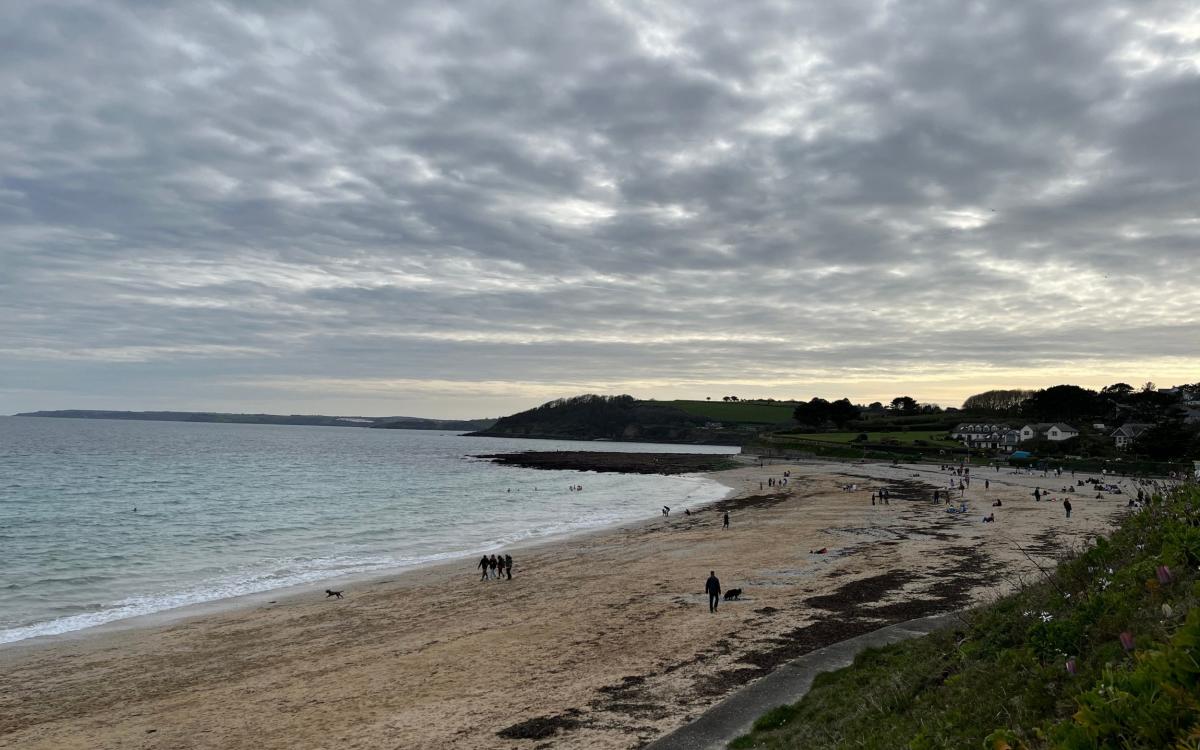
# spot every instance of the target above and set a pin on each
(972, 431)
(1128, 432)
(1049, 430)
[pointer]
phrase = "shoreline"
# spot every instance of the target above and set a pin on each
(295, 591)
(600, 640)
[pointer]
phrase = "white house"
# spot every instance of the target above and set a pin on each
(1004, 440)
(1128, 432)
(972, 431)
(1050, 430)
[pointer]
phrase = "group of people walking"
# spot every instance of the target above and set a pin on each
(495, 567)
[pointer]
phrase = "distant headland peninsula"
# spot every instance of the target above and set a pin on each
(311, 420)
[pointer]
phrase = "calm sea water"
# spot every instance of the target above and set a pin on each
(227, 510)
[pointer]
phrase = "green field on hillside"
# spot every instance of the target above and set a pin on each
(737, 411)
(933, 437)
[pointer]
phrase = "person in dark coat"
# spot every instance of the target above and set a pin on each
(1067, 507)
(713, 588)
(483, 566)
(508, 566)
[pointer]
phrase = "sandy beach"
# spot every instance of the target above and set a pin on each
(599, 641)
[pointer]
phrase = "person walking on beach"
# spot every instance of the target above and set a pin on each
(1067, 507)
(483, 566)
(492, 565)
(713, 588)
(508, 566)
(725, 521)
(1037, 494)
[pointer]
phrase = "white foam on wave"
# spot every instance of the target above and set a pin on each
(294, 572)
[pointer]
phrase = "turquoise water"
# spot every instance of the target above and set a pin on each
(226, 510)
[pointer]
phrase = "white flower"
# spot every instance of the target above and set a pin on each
(1047, 617)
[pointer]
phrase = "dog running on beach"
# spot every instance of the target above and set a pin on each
(733, 594)
(331, 592)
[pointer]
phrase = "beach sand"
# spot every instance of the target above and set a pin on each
(599, 641)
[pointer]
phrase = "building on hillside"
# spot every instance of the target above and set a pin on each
(1049, 430)
(1004, 441)
(976, 431)
(1128, 432)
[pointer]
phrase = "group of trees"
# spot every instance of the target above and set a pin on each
(1119, 402)
(1007, 401)
(817, 412)
(1170, 437)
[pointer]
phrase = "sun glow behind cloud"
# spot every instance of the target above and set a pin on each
(413, 208)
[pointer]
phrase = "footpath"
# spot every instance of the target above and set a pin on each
(735, 715)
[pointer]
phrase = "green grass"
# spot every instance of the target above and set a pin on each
(935, 438)
(999, 680)
(737, 411)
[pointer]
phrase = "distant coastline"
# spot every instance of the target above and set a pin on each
(310, 420)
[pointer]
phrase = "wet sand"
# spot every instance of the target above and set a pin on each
(599, 641)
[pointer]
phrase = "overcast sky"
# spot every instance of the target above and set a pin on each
(465, 209)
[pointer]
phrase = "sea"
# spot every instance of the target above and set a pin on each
(105, 520)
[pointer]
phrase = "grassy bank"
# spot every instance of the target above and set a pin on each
(1103, 652)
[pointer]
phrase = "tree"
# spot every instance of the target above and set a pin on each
(1062, 402)
(997, 401)
(1117, 391)
(875, 406)
(1165, 441)
(842, 411)
(815, 413)
(904, 405)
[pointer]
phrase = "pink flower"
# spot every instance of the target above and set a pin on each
(1070, 666)
(1127, 640)
(1164, 574)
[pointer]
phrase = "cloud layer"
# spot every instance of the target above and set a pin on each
(464, 210)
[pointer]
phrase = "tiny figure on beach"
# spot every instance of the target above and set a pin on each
(483, 567)
(996, 503)
(1067, 507)
(725, 521)
(987, 484)
(712, 587)
(666, 511)
(989, 518)
(508, 566)
(1037, 494)
(493, 567)
(687, 512)
(331, 592)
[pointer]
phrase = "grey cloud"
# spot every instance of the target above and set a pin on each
(194, 197)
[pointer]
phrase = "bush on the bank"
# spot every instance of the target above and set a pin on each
(1103, 652)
